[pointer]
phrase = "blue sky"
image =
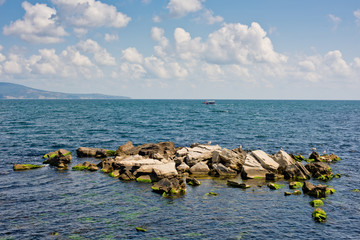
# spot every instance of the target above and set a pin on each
(197, 49)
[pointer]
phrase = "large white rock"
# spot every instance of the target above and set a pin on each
(228, 158)
(200, 153)
(139, 163)
(283, 159)
(200, 169)
(252, 168)
(265, 161)
(162, 170)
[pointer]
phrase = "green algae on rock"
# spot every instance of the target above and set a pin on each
(140, 229)
(275, 186)
(316, 203)
(295, 185)
(296, 192)
(22, 167)
(319, 215)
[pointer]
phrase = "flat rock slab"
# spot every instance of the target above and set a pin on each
(265, 161)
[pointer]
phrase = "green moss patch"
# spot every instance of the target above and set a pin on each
(79, 168)
(140, 229)
(356, 190)
(275, 186)
(110, 153)
(295, 185)
(212, 194)
(316, 203)
(22, 167)
(325, 177)
(143, 180)
(299, 158)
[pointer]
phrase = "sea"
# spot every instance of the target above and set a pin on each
(48, 203)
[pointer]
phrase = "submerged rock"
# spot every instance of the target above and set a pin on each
(237, 184)
(22, 167)
(329, 158)
(193, 181)
(274, 186)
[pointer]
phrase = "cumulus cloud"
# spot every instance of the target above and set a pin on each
(13, 65)
(38, 25)
(180, 8)
(132, 55)
(101, 55)
(90, 13)
(242, 44)
(335, 20)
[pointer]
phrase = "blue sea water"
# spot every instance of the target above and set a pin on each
(83, 205)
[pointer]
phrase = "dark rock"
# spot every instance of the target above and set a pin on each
(295, 185)
(144, 179)
(127, 175)
(274, 186)
(320, 170)
(93, 152)
(237, 184)
(170, 187)
(314, 155)
(272, 176)
(318, 191)
(85, 166)
(152, 150)
(296, 171)
(107, 165)
(287, 193)
(193, 181)
(296, 192)
(60, 160)
(124, 148)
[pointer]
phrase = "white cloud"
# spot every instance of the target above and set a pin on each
(335, 20)
(111, 37)
(2, 57)
(131, 71)
(156, 66)
(357, 16)
(2, 2)
(209, 17)
(132, 55)
(180, 8)
(90, 13)
(38, 26)
(241, 44)
(80, 31)
(186, 47)
(101, 55)
(146, 1)
(13, 65)
(157, 34)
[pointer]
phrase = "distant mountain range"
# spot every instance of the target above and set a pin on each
(16, 91)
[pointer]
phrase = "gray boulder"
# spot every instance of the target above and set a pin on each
(221, 170)
(198, 153)
(229, 159)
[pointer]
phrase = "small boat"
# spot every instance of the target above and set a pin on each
(208, 102)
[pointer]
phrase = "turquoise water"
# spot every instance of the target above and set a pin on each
(79, 205)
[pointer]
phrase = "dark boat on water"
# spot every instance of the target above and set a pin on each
(208, 102)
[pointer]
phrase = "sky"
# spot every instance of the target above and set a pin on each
(184, 49)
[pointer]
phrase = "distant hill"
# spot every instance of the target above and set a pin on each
(16, 91)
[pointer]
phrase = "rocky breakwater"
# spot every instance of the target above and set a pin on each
(170, 169)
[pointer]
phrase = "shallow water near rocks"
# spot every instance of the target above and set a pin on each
(81, 205)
